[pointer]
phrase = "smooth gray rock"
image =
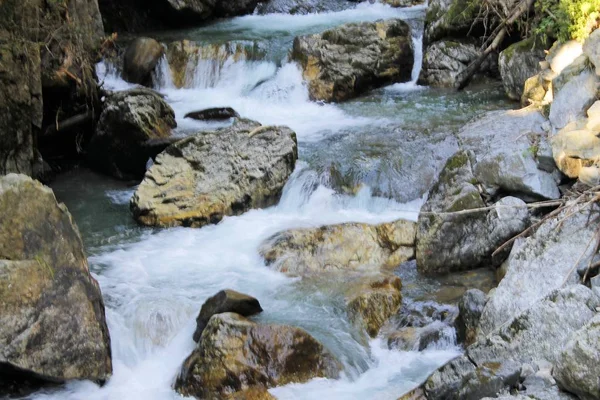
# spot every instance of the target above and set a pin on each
(577, 369)
(505, 145)
(346, 61)
(517, 63)
(128, 121)
(225, 301)
(539, 265)
(202, 178)
(455, 242)
(444, 60)
(591, 48)
(541, 331)
(573, 99)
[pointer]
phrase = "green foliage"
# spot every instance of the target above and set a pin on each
(566, 19)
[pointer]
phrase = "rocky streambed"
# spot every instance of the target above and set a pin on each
(253, 239)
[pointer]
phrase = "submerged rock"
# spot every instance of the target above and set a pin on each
(454, 242)
(343, 62)
(510, 153)
(539, 265)
(128, 121)
(222, 302)
(205, 177)
(446, 59)
(340, 248)
(140, 59)
(52, 321)
(517, 63)
(578, 366)
(215, 114)
(373, 302)
(235, 354)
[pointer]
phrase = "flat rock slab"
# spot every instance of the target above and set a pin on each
(205, 177)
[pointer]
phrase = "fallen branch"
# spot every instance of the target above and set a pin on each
(540, 204)
(70, 123)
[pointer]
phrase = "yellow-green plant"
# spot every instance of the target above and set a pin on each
(567, 19)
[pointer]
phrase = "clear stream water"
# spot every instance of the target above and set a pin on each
(154, 281)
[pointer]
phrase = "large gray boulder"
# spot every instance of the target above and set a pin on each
(201, 179)
(517, 63)
(52, 321)
(540, 332)
(140, 59)
(510, 154)
(454, 242)
(539, 265)
(572, 99)
(340, 248)
(130, 119)
(344, 62)
(577, 368)
(444, 60)
(235, 354)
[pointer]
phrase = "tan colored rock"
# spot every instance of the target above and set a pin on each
(235, 355)
(202, 178)
(373, 302)
(140, 59)
(574, 150)
(593, 122)
(52, 321)
(416, 394)
(536, 90)
(590, 175)
(340, 248)
(343, 62)
(253, 393)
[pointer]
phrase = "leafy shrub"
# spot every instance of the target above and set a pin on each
(567, 19)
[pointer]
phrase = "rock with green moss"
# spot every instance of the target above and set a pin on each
(128, 121)
(52, 318)
(235, 354)
(463, 241)
(518, 62)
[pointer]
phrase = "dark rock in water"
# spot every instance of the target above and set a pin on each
(202, 178)
(470, 308)
(303, 6)
(343, 62)
(140, 59)
(20, 106)
(128, 121)
(222, 302)
(52, 320)
(455, 242)
(216, 114)
(235, 354)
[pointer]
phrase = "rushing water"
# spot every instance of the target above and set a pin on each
(155, 281)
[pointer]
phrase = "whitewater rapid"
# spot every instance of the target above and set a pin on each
(155, 285)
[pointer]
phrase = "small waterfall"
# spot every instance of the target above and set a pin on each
(162, 76)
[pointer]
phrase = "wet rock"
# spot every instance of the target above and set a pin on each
(470, 308)
(578, 366)
(205, 177)
(542, 386)
(539, 265)
(506, 146)
(215, 114)
(455, 242)
(225, 301)
(446, 59)
(573, 99)
(461, 379)
(419, 339)
(373, 302)
(541, 331)
(403, 3)
(517, 63)
(140, 59)
(303, 6)
(235, 354)
(253, 393)
(50, 304)
(340, 248)
(20, 106)
(129, 119)
(591, 48)
(344, 62)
